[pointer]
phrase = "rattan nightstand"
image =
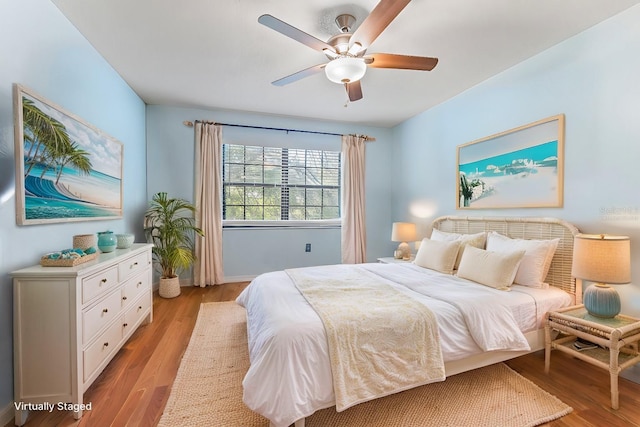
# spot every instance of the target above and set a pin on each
(617, 337)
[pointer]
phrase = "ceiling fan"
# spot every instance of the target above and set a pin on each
(346, 51)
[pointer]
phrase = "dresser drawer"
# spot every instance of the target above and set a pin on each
(134, 287)
(132, 266)
(137, 310)
(99, 315)
(99, 283)
(97, 352)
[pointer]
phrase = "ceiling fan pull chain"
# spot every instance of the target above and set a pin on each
(346, 104)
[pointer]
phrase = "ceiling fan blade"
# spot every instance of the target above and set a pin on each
(404, 62)
(299, 75)
(354, 90)
(379, 18)
(294, 33)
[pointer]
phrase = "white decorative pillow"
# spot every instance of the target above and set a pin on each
(476, 240)
(494, 269)
(537, 258)
(439, 256)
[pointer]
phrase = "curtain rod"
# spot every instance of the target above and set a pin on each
(190, 124)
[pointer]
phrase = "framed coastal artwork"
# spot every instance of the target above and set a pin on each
(66, 169)
(518, 168)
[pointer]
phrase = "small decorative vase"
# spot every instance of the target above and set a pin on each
(107, 241)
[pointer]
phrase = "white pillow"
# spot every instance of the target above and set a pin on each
(537, 258)
(494, 269)
(476, 240)
(439, 256)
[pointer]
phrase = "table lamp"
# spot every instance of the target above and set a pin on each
(403, 232)
(603, 259)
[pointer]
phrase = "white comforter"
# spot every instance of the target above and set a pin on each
(290, 373)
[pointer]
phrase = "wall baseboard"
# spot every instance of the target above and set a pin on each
(632, 374)
(229, 279)
(233, 279)
(6, 414)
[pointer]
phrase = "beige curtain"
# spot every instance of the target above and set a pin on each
(354, 236)
(208, 198)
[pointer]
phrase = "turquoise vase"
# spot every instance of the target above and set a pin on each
(107, 241)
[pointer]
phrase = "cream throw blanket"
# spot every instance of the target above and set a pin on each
(380, 340)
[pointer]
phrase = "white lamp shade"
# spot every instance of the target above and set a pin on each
(602, 258)
(345, 69)
(403, 232)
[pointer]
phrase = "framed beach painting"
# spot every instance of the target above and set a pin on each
(518, 168)
(66, 169)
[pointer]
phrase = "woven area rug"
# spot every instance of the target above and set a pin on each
(208, 389)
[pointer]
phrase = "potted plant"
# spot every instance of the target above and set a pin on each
(170, 226)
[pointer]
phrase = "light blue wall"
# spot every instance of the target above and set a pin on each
(250, 252)
(40, 49)
(593, 78)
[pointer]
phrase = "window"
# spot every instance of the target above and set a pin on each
(279, 184)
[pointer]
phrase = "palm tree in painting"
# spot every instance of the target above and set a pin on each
(73, 156)
(43, 133)
(46, 162)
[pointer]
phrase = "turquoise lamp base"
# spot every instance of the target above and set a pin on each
(601, 300)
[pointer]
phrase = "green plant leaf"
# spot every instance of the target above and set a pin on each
(170, 226)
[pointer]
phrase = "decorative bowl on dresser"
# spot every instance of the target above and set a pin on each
(69, 322)
(125, 240)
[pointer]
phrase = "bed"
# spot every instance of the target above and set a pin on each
(292, 372)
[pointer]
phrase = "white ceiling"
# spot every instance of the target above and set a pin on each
(215, 54)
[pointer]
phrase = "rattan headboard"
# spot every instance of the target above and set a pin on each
(526, 228)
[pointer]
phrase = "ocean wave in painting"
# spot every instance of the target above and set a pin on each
(74, 196)
(38, 208)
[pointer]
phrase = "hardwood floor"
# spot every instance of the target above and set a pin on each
(134, 388)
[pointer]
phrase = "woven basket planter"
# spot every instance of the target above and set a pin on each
(169, 287)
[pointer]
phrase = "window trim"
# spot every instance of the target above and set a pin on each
(239, 224)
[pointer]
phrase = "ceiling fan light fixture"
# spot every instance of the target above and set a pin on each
(355, 49)
(330, 54)
(345, 69)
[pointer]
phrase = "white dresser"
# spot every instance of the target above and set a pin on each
(69, 322)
